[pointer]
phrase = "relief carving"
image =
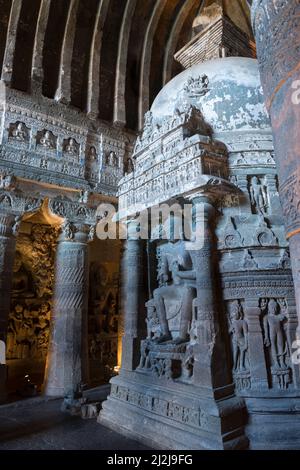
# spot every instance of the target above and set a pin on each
(238, 330)
(259, 196)
(19, 132)
(47, 140)
(275, 319)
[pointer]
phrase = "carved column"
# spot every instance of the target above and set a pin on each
(276, 27)
(259, 376)
(210, 367)
(67, 362)
(134, 303)
(7, 253)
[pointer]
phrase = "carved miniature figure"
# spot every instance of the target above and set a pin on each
(68, 230)
(93, 154)
(197, 87)
(274, 333)
(258, 196)
(145, 360)
(20, 133)
(130, 167)
(71, 147)
(239, 331)
(47, 140)
(21, 283)
(112, 159)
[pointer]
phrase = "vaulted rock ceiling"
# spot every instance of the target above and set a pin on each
(108, 58)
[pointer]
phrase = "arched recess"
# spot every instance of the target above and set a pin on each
(31, 301)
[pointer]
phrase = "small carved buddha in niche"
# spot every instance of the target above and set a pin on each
(21, 279)
(19, 133)
(71, 147)
(47, 141)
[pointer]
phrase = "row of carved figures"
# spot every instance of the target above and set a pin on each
(173, 361)
(21, 133)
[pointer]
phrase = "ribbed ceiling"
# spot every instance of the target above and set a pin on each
(108, 58)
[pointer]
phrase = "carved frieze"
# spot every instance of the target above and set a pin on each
(46, 142)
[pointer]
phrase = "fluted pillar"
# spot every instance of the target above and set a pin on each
(276, 26)
(134, 298)
(67, 361)
(7, 254)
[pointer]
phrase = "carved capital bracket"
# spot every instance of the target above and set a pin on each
(77, 212)
(16, 203)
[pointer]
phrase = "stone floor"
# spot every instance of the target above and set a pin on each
(40, 425)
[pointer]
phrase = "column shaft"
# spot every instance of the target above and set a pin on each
(7, 253)
(276, 27)
(134, 304)
(67, 358)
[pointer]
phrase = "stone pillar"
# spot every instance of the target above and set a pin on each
(259, 376)
(7, 253)
(67, 361)
(210, 366)
(134, 298)
(276, 26)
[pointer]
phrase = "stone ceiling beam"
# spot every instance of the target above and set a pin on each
(173, 39)
(95, 57)
(37, 72)
(63, 92)
(7, 68)
(121, 69)
(144, 99)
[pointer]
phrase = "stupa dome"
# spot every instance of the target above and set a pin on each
(227, 91)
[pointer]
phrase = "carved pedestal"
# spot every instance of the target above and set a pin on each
(173, 390)
(7, 252)
(66, 368)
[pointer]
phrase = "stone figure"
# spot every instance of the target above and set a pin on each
(21, 284)
(148, 124)
(145, 359)
(47, 140)
(112, 159)
(6, 181)
(68, 230)
(71, 147)
(177, 282)
(83, 197)
(130, 167)
(258, 196)
(19, 133)
(274, 334)
(93, 154)
(239, 331)
(196, 87)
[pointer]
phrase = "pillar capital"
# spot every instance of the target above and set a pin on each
(77, 232)
(9, 224)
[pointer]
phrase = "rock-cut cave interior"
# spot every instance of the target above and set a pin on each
(150, 224)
